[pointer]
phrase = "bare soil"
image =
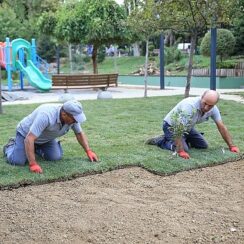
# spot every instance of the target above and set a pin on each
(129, 206)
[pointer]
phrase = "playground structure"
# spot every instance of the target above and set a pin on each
(20, 56)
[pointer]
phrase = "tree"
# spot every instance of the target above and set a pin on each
(93, 22)
(143, 21)
(195, 17)
(225, 43)
(238, 26)
(9, 23)
(19, 17)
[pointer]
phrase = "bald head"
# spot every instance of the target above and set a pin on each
(208, 100)
(210, 97)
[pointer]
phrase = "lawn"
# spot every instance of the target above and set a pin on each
(117, 130)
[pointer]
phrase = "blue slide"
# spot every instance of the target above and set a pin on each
(34, 76)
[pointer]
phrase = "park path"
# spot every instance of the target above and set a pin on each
(29, 96)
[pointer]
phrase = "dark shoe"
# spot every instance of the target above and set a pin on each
(154, 140)
(11, 141)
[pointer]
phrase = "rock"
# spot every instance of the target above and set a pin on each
(104, 95)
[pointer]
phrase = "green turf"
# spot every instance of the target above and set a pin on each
(116, 130)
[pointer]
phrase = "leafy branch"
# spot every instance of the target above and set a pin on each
(181, 122)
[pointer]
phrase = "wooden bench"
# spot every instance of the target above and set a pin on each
(84, 81)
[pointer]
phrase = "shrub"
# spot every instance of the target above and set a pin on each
(230, 64)
(225, 43)
(172, 54)
(101, 54)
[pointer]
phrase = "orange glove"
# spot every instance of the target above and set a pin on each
(183, 154)
(91, 155)
(234, 149)
(35, 168)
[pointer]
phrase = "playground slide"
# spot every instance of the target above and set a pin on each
(34, 76)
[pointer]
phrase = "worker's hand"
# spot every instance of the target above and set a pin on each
(91, 155)
(35, 168)
(183, 154)
(234, 149)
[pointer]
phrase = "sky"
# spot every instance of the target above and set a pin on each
(119, 1)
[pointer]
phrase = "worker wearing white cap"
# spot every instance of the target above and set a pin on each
(37, 133)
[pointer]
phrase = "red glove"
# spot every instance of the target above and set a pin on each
(91, 155)
(183, 154)
(35, 168)
(234, 149)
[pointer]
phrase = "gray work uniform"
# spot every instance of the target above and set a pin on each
(44, 122)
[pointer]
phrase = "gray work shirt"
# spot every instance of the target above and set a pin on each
(44, 122)
(192, 107)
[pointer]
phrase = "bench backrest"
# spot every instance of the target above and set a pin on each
(104, 80)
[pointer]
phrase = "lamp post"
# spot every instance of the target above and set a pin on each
(161, 56)
(213, 58)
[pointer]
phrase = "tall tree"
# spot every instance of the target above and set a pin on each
(143, 20)
(10, 26)
(93, 22)
(238, 26)
(195, 17)
(20, 16)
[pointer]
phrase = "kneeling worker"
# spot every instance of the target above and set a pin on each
(37, 133)
(191, 111)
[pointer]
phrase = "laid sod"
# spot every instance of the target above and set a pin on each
(117, 130)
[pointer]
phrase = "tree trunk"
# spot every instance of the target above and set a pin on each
(70, 59)
(94, 59)
(115, 59)
(136, 50)
(189, 72)
(146, 67)
(58, 58)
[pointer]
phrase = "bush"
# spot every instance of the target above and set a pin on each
(225, 43)
(86, 59)
(226, 64)
(172, 54)
(101, 54)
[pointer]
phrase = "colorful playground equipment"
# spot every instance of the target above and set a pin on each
(20, 56)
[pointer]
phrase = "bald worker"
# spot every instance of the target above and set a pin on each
(195, 110)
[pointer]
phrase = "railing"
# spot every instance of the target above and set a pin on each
(219, 72)
(42, 65)
(237, 72)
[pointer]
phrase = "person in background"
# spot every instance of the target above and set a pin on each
(191, 111)
(37, 133)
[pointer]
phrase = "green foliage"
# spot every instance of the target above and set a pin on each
(172, 54)
(101, 54)
(238, 31)
(117, 130)
(10, 26)
(87, 59)
(92, 21)
(19, 18)
(143, 20)
(47, 23)
(225, 43)
(46, 48)
(181, 123)
(227, 64)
